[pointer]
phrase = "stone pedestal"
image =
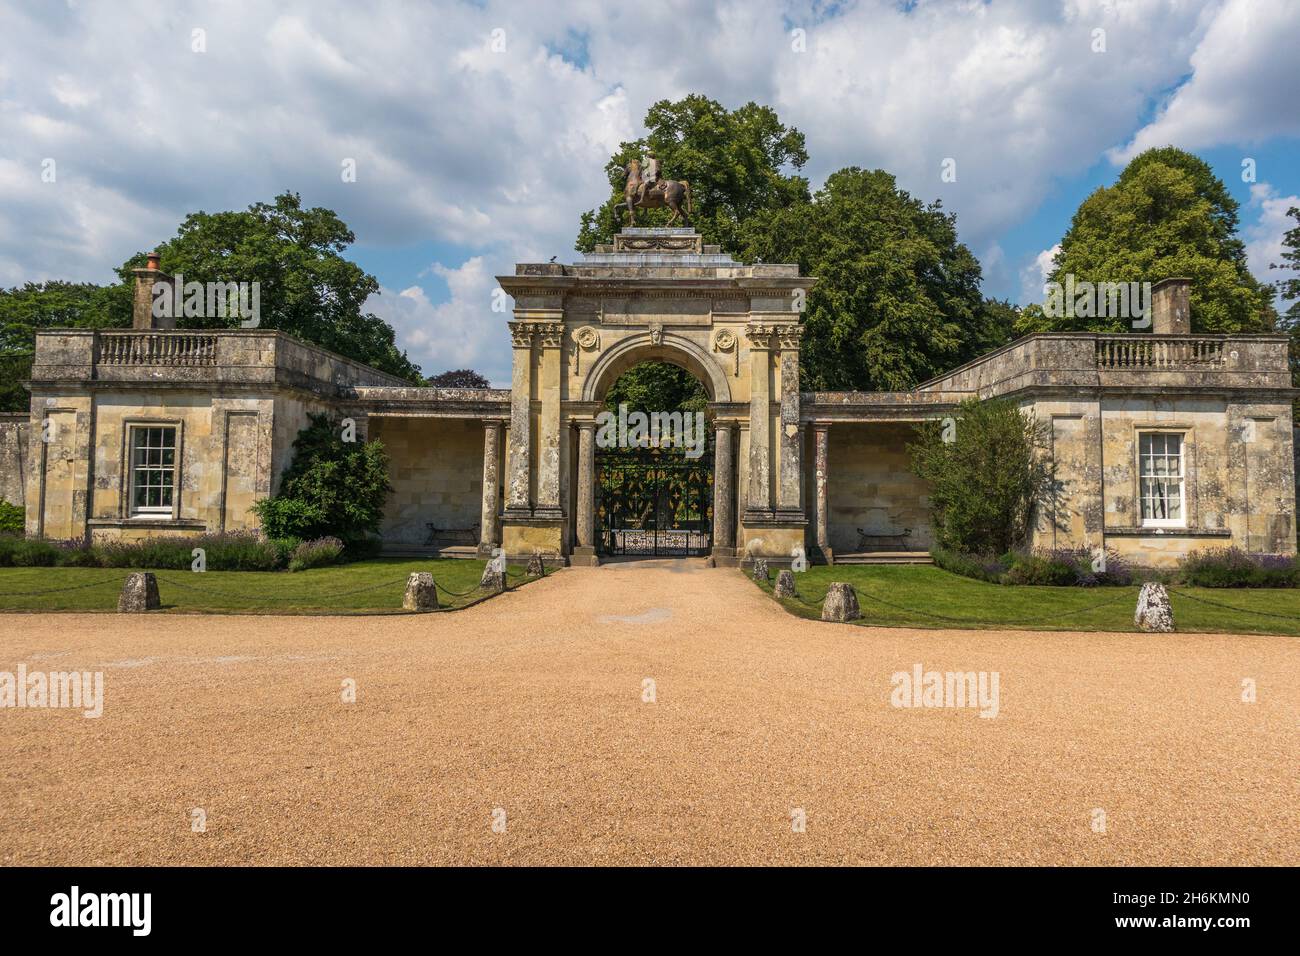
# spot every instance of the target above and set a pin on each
(139, 593)
(421, 592)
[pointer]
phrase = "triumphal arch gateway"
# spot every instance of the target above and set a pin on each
(1161, 441)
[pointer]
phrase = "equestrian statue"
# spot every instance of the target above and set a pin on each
(648, 191)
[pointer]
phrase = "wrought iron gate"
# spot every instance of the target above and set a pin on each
(654, 501)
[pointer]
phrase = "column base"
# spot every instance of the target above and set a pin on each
(723, 558)
(584, 557)
(522, 538)
(763, 536)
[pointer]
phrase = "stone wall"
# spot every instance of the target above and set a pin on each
(436, 470)
(871, 486)
(13, 456)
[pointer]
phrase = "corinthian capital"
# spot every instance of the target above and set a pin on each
(521, 334)
(789, 336)
(759, 335)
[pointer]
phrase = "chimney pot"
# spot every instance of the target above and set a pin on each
(1170, 309)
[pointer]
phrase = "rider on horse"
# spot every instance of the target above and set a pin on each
(649, 175)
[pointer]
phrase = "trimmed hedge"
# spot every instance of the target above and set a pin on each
(1062, 567)
(232, 551)
(1234, 568)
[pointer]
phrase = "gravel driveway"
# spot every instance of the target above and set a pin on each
(642, 713)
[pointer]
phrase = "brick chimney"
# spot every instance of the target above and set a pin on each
(142, 316)
(1170, 314)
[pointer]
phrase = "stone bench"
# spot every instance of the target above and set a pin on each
(451, 535)
(874, 540)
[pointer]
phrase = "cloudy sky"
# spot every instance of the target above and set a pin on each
(479, 130)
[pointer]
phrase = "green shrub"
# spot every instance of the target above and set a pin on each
(316, 554)
(1042, 569)
(34, 553)
(332, 488)
(239, 551)
(161, 552)
(969, 565)
(1235, 568)
(985, 474)
(12, 518)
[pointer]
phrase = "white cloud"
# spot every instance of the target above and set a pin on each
(1243, 86)
(498, 153)
(1034, 276)
(461, 332)
(1264, 236)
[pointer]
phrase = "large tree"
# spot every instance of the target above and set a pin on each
(44, 305)
(897, 299)
(1166, 215)
(735, 161)
(307, 287)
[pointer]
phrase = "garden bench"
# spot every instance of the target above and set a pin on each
(873, 540)
(451, 535)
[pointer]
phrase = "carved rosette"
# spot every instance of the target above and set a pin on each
(724, 340)
(584, 340)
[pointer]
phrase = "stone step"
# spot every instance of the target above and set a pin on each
(884, 557)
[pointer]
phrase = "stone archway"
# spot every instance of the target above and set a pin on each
(671, 348)
(653, 490)
(655, 294)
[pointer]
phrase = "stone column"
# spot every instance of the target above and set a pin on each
(488, 522)
(518, 498)
(724, 549)
(585, 552)
(821, 461)
(789, 490)
(551, 446)
(760, 418)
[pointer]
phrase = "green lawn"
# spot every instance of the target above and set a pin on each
(927, 596)
(365, 586)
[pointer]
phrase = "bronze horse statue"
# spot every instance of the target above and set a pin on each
(673, 193)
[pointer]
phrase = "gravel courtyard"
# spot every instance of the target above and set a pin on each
(529, 710)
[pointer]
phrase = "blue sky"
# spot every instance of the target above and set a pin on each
(479, 131)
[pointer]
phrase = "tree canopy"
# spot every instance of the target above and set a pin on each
(459, 378)
(307, 288)
(1166, 215)
(897, 299)
(735, 161)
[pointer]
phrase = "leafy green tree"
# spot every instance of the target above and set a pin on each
(459, 378)
(657, 387)
(1288, 289)
(897, 299)
(307, 287)
(42, 305)
(1167, 215)
(332, 487)
(733, 159)
(986, 473)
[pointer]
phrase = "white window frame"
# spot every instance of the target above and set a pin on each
(152, 511)
(1142, 476)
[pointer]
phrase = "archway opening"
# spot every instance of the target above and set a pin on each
(654, 464)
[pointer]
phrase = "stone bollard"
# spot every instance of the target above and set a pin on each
(139, 593)
(760, 570)
(785, 585)
(841, 603)
(421, 592)
(492, 580)
(1154, 612)
(535, 567)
